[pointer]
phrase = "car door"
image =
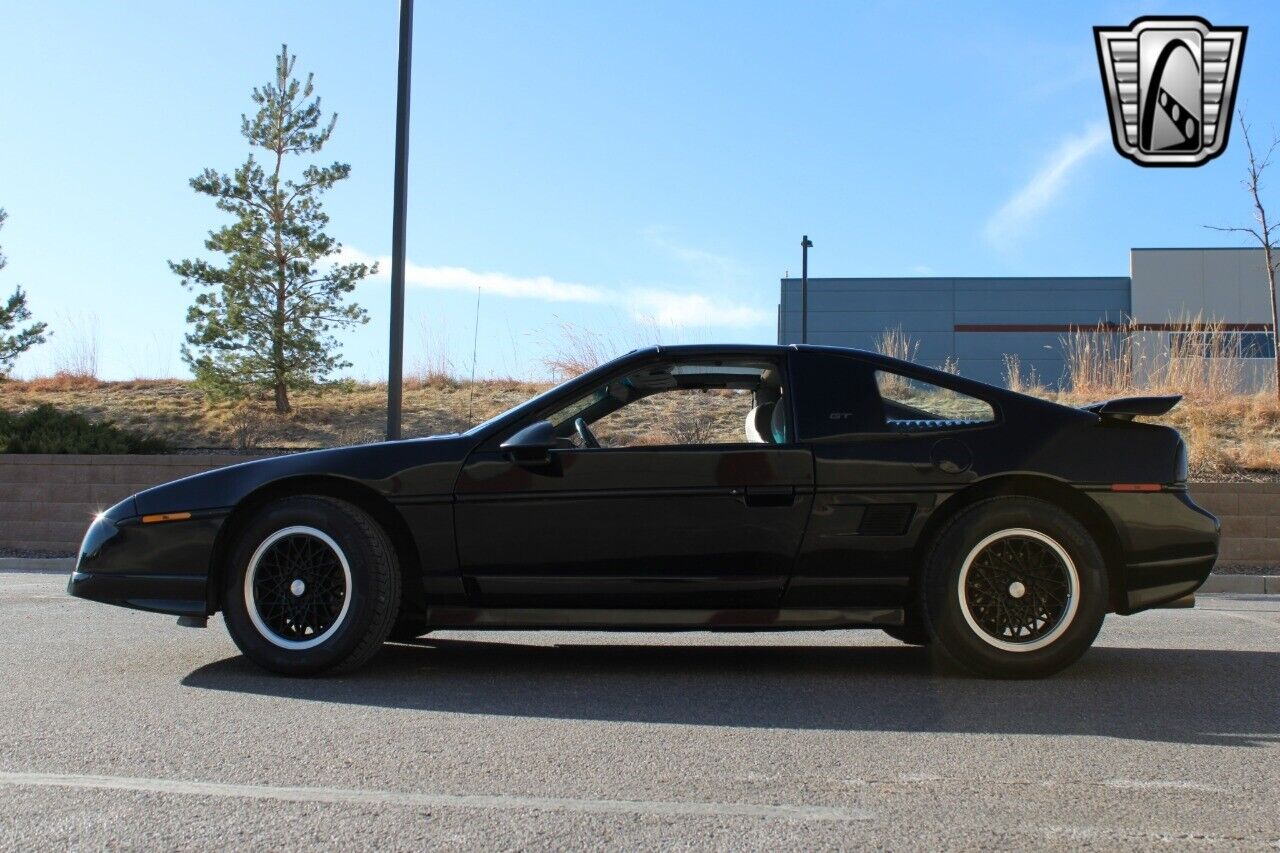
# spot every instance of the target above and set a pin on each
(677, 525)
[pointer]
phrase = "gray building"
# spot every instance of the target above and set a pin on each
(978, 321)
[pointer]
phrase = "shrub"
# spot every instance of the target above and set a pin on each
(48, 430)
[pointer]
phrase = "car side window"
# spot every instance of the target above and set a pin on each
(680, 404)
(705, 416)
(911, 404)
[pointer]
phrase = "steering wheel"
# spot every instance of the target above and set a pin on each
(584, 433)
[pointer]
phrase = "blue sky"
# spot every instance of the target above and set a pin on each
(629, 169)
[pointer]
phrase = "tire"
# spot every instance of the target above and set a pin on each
(1013, 587)
(343, 598)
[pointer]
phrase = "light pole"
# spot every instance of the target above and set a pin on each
(805, 245)
(399, 204)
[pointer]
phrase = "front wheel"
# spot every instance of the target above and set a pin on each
(313, 586)
(1014, 588)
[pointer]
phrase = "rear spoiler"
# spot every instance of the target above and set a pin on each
(1127, 408)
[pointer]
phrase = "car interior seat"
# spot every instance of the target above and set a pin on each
(760, 424)
(778, 423)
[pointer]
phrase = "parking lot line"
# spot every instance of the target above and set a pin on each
(357, 796)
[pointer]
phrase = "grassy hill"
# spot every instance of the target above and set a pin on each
(180, 414)
(1231, 436)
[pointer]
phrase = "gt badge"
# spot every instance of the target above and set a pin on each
(1171, 88)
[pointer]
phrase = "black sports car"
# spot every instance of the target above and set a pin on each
(689, 488)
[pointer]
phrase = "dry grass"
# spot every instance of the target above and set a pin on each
(434, 365)
(1015, 379)
(576, 349)
(61, 381)
(1229, 436)
(1232, 429)
(572, 349)
(76, 345)
(677, 417)
(178, 412)
(895, 343)
(1202, 362)
(1230, 433)
(175, 411)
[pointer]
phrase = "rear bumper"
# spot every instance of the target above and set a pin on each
(1168, 545)
(1160, 582)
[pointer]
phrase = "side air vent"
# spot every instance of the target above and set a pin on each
(886, 519)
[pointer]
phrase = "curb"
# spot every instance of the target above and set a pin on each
(1245, 584)
(1239, 584)
(62, 565)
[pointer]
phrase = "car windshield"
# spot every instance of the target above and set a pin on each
(531, 401)
(537, 400)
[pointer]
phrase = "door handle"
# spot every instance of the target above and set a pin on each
(768, 496)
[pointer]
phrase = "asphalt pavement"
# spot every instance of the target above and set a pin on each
(121, 729)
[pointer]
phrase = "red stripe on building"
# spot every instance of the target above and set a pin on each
(1112, 327)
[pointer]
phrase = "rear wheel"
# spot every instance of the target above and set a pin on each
(1014, 588)
(313, 587)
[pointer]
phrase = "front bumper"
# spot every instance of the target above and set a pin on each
(161, 567)
(178, 595)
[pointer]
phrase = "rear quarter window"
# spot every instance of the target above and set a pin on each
(842, 397)
(912, 404)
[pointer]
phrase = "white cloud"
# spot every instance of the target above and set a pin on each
(1011, 220)
(460, 278)
(693, 309)
(520, 287)
(666, 308)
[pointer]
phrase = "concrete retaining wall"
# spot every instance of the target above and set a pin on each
(1250, 514)
(46, 501)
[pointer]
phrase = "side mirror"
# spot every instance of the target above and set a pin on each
(531, 445)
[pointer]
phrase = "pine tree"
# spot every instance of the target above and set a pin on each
(12, 312)
(265, 319)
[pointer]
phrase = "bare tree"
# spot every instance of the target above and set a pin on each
(1263, 230)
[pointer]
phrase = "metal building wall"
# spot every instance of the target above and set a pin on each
(974, 320)
(1226, 286)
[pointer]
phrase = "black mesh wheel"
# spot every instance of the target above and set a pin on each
(312, 586)
(1018, 589)
(1013, 587)
(297, 588)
